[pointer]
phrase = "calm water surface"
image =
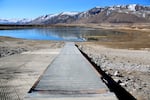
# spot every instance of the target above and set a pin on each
(56, 33)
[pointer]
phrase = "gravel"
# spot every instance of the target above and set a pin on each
(130, 68)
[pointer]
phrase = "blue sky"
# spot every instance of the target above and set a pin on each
(35, 8)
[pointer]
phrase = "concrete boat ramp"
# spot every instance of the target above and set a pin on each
(70, 77)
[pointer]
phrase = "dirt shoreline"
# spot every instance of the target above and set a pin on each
(10, 46)
(130, 68)
(143, 27)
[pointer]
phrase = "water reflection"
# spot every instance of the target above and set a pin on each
(70, 34)
(58, 33)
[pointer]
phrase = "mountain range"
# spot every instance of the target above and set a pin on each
(132, 13)
(14, 21)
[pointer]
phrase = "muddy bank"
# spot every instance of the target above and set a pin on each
(130, 68)
(10, 46)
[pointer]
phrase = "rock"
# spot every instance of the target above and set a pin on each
(80, 47)
(116, 73)
(124, 83)
(117, 80)
(130, 72)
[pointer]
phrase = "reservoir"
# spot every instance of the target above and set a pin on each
(59, 33)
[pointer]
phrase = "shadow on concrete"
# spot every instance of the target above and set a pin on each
(113, 86)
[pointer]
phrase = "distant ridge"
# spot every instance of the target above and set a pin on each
(132, 13)
(15, 21)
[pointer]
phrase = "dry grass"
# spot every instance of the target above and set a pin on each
(131, 40)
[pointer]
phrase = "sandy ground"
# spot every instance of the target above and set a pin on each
(130, 68)
(21, 64)
(10, 46)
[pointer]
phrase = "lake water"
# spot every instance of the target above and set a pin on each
(56, 33)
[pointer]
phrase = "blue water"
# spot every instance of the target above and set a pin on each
(61, 34)
(54, 33)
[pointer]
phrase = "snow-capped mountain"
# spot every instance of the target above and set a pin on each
(54, 18)
(14, 21)
(92, 12)
(132, 7)
(69, 13)
(114, 14)
(21, 21)
(4, 21)
(135, 10)
(132, 13)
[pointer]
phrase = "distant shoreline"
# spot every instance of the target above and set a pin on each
(140, 39)
(112, 26)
